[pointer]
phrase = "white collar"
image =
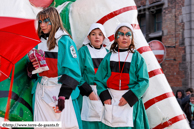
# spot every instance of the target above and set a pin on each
(60, 33)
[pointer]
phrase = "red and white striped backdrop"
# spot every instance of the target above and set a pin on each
(160, 104)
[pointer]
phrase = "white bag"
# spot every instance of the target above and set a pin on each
(117, 116)
(91, 109)
(44, 103)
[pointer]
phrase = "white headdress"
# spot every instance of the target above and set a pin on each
(95, 26)
(124, 24)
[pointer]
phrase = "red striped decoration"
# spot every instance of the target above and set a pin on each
(144, 49)
(157, 99)
(111, 38)
(115, 13)
(151, 73)
(155, 72)
(170, 122)
(135, 26)
(104, 45)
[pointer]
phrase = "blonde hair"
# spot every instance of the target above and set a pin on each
(56, 23)
(114, 45)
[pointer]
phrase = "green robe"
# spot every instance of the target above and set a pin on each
(88, 76)
(139, 82)
(68, 65)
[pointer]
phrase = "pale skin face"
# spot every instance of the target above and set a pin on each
(124, 38)
(192, 100)
(179, 94)
(45, 25)
(96, 38)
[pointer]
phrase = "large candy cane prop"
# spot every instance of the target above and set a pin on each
(161, 106)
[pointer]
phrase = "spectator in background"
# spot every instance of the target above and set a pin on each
(186, 99)
(189, 111)
(179, 96)
(189, 91)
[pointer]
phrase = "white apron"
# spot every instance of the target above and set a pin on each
(117, 116)
(91, 109)
(46, 92)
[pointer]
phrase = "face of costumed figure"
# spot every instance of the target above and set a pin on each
(96, 38)
(124, 37)
(45, 25)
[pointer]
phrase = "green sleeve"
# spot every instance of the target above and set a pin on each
(101, 78)
(84, 87)
(68, 62)
(81, 54)
(141, 77)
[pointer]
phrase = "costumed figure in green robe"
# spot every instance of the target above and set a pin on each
(122, 78)
(90, 57)
(57, 87)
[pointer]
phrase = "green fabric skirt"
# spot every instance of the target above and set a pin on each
(77, 112)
